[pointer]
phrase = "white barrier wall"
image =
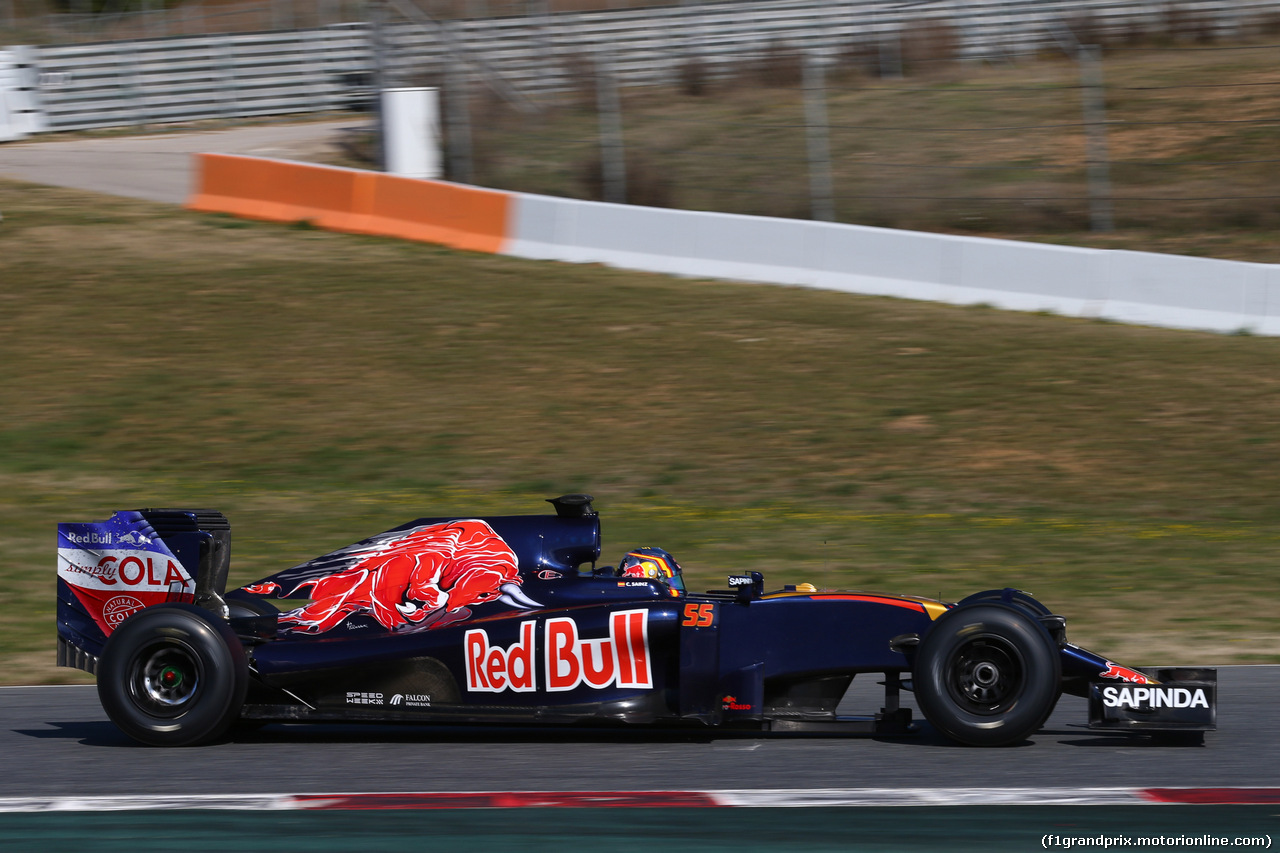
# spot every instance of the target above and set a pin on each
(20, 114)
(1130, 287)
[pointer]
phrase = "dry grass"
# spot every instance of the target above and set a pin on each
(320, 387)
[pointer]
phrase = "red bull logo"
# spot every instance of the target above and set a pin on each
(622, 659)
(111, 584)
(1123, 673)
(427, 577)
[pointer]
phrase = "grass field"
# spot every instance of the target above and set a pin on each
(319, 388)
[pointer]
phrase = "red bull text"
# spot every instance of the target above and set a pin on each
(622, 659)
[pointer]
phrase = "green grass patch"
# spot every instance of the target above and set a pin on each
(319, 388)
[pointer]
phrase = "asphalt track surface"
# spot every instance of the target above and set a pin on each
(157, 166)
(56, 741)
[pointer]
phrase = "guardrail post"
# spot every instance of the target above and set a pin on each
(315, 49)
(130, 83)
(1095, 122)
(224, 62)
(822, 200)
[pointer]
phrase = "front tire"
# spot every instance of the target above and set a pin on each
(987, 674)
(173, 675)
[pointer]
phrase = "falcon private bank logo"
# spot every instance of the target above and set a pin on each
(569, 661)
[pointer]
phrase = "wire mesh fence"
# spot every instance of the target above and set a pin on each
(1179, 133)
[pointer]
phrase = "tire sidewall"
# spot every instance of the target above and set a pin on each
(198, 635)
(1031, 701)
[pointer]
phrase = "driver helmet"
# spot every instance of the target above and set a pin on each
(653, 564)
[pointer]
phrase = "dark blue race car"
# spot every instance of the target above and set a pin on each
(511, 619)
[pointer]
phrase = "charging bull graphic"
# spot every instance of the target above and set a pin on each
(1123, 673)
(427, 577)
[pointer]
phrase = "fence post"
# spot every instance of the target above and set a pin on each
(378, 14)
(613, 169)
(1095, 123)
(822, 202)
(458, 113)
(889, 52)
(538, 14)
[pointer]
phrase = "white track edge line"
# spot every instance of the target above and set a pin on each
(743, 798)
(827, 797)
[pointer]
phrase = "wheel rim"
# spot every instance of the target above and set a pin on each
(985, 675)
(164, 677)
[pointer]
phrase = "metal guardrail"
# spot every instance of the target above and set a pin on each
(189, 78)
(199, 77)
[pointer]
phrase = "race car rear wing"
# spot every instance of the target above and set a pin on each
(109, 570)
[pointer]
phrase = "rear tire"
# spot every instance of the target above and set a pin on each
(987, 674)
(173, 675)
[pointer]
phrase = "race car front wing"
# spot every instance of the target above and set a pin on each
(1175, 699)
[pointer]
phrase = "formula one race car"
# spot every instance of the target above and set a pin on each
(509, 619)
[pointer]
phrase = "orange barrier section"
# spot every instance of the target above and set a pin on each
(435, 212)
(353, 201)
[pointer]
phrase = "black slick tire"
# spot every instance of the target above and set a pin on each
(987, 674)
(173, 675)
